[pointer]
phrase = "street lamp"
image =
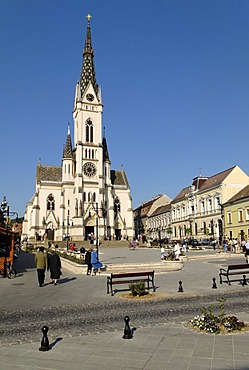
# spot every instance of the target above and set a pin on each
(96, 209)
(221, 223)
(67, 228)
(6, 212)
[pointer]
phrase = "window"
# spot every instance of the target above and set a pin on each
(240, 215)
(247, 214)
(89, 131)
(84, 196)
(50, 203)
(85, 153)
(229, 218)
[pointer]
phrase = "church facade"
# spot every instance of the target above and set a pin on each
(84, 195)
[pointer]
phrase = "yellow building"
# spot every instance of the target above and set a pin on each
(197, 211)
(236, 216)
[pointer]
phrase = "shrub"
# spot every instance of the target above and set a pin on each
(138, 289)
(211, 323)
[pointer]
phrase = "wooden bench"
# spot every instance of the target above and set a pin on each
(234, 270)
(130, 277)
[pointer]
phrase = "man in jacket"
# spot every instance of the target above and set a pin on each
(41, 262)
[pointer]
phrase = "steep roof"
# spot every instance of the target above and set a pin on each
(118, 178)
(216, 179)
(48, 173)
(209, 183)
(88, 70)
(105, 151)
(242, 194)
(68, 151)
(161, 209)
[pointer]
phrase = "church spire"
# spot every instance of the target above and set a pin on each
(68, 151)
(88, 69)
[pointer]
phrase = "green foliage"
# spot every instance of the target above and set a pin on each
(138, 289)
(73, 259)
(211, 323)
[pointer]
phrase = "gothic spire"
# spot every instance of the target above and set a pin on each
(68, 151)
(88, 70)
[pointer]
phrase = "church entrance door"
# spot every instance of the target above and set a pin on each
(88, 231)
(118, 234)
(50, 234)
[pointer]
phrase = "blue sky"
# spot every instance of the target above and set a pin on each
(175, 87)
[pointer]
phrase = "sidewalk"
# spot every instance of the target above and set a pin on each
(170, 346)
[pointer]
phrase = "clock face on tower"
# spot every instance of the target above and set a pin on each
(89, 97)
(89, 169)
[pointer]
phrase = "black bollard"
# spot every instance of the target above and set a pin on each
(127, 329)
(180, 290)
(244, 280)
(214, 284)
(45, 342)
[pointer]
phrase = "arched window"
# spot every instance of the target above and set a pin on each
(84, 196)
(50, 203)
(85, 153)
(89, 131)
(94, 197)
(92, 154)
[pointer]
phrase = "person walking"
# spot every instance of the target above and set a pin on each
(41, 262)
(88, 261)
(54, 266)
(96, 265)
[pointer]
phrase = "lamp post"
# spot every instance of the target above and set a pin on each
(67, 228)
(6, 212)
(96, 209)
(221, 223)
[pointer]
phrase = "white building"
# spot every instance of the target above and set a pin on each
(83, 195)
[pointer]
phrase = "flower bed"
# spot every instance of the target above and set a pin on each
(221, 323)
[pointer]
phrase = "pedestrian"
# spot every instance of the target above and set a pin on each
(177, 251)
(88, 261)
(41, 262)
(247, 251)
(54, 266)
(224, 245)
(133, 244)
(96, 265)
(162, 253)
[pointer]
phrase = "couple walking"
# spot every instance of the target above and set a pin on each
(50, 263)
(92, 261)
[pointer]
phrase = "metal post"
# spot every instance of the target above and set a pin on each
(97, 229)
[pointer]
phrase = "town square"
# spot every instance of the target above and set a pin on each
(124, 233)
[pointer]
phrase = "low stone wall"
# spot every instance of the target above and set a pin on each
(73, 267)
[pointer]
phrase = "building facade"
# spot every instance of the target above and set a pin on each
(197, 211)
(143, 224)
(83, 195)
(236, 216)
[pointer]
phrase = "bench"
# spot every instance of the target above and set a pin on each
(234, 270)
(130, 277)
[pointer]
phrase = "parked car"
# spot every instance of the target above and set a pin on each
(193, 242)
(205, 242)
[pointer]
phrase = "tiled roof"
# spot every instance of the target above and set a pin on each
(161, 209)
(242, 194)
(208, 184)
(181, 195)
(48, 173)
(216, 179)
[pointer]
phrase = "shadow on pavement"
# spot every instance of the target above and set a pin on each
(66, 280)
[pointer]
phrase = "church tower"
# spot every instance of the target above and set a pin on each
(84, 196)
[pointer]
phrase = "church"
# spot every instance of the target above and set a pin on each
(83, 196)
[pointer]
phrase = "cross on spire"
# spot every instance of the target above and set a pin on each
(88, 16)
